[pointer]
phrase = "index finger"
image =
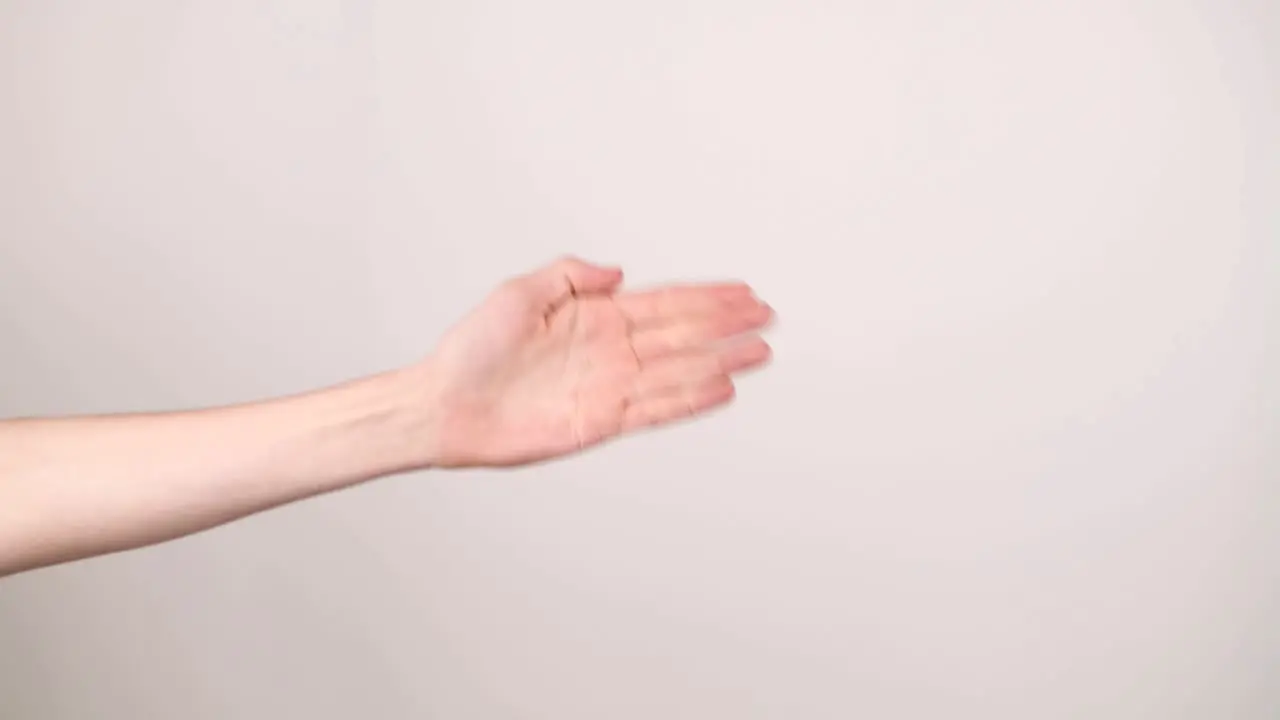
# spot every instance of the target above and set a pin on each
(676, 302)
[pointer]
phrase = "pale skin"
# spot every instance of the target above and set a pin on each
(550, 364)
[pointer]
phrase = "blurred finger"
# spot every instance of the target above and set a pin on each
(687, 402)
(668, 304)
(663, 340)
(676, 374)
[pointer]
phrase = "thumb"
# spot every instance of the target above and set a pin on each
(570, 276)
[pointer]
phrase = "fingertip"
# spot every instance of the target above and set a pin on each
(747, 354)
(614, 271)
(764, 313)
(604, 279)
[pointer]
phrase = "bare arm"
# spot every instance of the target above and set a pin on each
(73, 487)
(553, 362)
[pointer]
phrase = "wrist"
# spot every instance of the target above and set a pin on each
(408, 418)
(378, 425)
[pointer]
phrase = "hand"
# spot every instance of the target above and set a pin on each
(558, 360)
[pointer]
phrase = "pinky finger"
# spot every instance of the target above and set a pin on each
(679, 404)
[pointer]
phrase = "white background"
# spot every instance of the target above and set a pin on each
(1016, 457)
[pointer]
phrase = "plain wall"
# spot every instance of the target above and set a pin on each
(1016, 457)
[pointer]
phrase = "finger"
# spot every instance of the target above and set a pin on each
(567, 277)
(687, 402)
(664, 340)
(662, 305)
(675, 375)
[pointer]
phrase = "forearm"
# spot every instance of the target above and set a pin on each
(76, 487)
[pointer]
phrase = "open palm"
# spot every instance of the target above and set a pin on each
(559, 360)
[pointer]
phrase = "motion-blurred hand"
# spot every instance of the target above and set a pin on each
(559, 360)
(549, 364)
